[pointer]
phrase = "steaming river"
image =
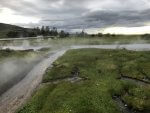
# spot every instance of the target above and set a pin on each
(135, 47)
(16, 95)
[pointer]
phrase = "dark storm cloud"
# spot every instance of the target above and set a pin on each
(100, 19)
(122, 18)
(79, 14)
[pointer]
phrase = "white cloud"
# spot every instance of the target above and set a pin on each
(8, 16)
(127, 30)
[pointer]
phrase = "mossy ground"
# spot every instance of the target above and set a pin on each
(10, 53)
(93, 95)
(7, 54)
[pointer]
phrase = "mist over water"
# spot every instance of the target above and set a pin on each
(24, 45)
(19, 76)
(14, 69)
(41, 42)
(37, 44)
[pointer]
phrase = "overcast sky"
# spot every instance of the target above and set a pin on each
(114, 16)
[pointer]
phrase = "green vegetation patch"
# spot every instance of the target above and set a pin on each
(138, 98)
(6, 54)
(11, 53)
(101, 68)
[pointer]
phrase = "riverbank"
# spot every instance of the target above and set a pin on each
(88, 80)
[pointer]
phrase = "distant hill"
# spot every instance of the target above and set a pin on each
(6, 28)
(12, 31)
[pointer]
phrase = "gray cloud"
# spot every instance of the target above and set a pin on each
(79, 14)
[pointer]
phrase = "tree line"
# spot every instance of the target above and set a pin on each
(43, 31)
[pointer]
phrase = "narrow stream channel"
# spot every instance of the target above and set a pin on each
(122, 106)
(136, 81)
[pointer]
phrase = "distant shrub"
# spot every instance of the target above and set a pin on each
(146, 36)
(13, 34)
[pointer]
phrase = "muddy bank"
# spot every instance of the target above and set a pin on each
(73, 78)
(67, 79)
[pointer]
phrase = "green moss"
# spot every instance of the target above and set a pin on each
(93, 95)
(10, 53)
(138, 98)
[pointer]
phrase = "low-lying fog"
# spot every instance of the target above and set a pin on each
(12, 70)
(37, 44)
(19, 76)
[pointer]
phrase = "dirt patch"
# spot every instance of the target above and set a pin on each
(74, 77)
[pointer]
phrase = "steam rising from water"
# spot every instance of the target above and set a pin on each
(19, 68)
(12, 67)
(25, 45)
(39, 43)
(12, 70)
